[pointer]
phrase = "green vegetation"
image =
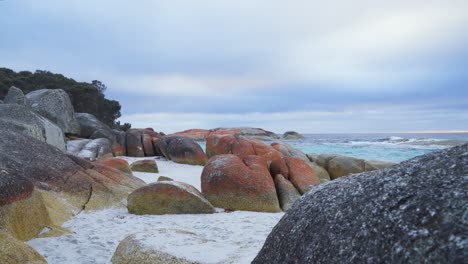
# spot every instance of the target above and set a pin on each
(85, 97)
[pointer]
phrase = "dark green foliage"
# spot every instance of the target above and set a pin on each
(124, 127)
(85, 97)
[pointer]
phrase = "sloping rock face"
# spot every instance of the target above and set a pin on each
(23, 120)
(55, 105)
(67, 184)
(90, 149)
(408, 213)
(168, 197)
(13, 251)
(16, 96)
(240, 146)
(92, 128)
(247, 132)
(181, 150)
(235, 183)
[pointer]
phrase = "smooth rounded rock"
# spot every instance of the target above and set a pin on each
(168, 197)
(235, 183)
(145, 166)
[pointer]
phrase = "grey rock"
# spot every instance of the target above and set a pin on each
(90, 149)
(55, 105)
(292, 135)
(121, 140)
(92, 128)
(287, 193)
(134, 139)
(341, 166)
(27, 122)
(1, 102)
(16, 96)
(412, 212)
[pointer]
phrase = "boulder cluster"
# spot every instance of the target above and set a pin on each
(41, 186)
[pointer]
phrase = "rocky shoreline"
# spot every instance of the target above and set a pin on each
(55, 164)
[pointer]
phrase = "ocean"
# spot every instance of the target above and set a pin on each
(388, 147)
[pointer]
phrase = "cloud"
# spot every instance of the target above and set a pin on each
(242, 57)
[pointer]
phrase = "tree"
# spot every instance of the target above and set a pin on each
(99, 86)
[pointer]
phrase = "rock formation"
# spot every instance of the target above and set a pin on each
(411, 212)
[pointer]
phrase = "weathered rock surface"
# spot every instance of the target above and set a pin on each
(145, 166)
(168, 197)
(14, 251)
(66, 184)
(240, 146)
(408, 213)
(299, 173)
(292, 135)
(287, 193)
(147, 141)
(181, 150)
(138, 248)
(16, 96)
(90, 149)
(55, 105)
(120, 146)
(247, 132)
(23, 120)
(134, 139)
(339, 165)
(289, 151)
(92, 128)
(235, 183)
(116, 163)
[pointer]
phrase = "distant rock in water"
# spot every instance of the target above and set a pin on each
(292, 135)
(409, 213)
(248, 132)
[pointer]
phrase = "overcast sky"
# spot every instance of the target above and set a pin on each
(311, 66)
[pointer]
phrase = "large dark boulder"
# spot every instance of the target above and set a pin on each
(181, 150)
(413, 212)
(92, 128)
(55, 105)
(134, 140)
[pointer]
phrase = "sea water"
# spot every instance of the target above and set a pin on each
(387, 147)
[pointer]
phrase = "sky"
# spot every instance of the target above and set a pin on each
(311, 66)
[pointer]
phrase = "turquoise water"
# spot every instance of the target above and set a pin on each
(389, 147)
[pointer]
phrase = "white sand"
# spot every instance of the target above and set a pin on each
(217, 238)
(179, 172)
